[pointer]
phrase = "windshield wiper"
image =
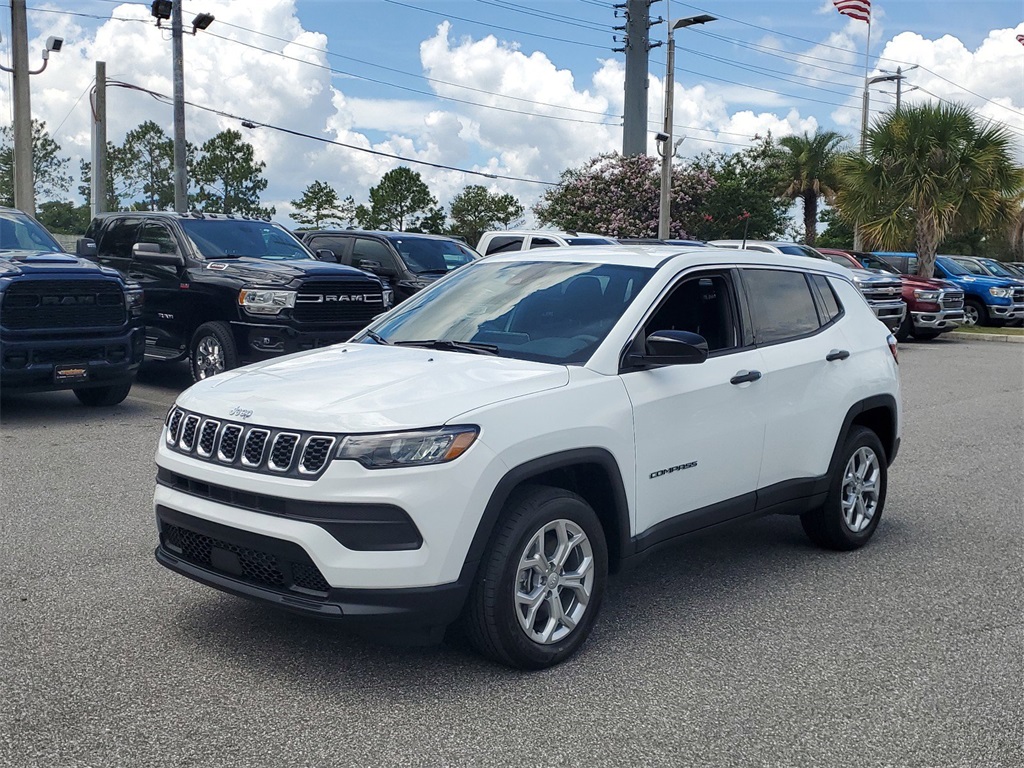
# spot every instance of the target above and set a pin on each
(378, 338)
(454, 346)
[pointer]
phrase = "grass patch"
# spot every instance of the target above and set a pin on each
(999, 331)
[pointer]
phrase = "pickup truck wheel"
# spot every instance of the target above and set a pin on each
(926, 335)
(975, 313)
(103, 396)
(213, 351)
(540, 584)
(856, 495)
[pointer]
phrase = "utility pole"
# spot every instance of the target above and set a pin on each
(99, 142)
(180, 180)
(637, 46)
(24, 188)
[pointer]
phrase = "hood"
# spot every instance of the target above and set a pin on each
(368, 388)
(924, 283)
(268, 272)
(15, 263)
(873, 276)
(985, 281)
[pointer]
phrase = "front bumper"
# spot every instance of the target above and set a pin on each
(889, 312)
(1006, 311)
(30, 365)
(943, 320)
(260, 341)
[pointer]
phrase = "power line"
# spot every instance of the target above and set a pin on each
(246, 122)
(547, 15)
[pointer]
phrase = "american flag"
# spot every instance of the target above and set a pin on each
(1020, 39)
(855, 9)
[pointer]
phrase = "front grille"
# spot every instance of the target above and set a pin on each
(883, 292)
(256, 566)
(253, 448)
(338, 301)
(57, 304)
(952, 299)
(1018, 295)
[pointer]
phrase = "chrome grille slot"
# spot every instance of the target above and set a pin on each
(315, 454)
(283, 451)
(207, 438)
(188, 433)
(255, 445)
(228, 449)
(173, 424)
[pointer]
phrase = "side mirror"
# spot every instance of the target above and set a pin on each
(326, 254)
(150, 254)
(374, 266)
(663, 348)
(85, 247)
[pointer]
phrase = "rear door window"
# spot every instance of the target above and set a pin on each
(781, 304)
(504, 243)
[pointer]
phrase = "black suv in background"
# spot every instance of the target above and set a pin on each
(408, 261)
(65, 323)
(223, 290)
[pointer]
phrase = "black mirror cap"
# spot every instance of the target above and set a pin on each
(326, 254)
(663, 348)
(376, 267)
(150, 253)
(85, 247)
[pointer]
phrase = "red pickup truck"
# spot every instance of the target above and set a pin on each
(933, 306)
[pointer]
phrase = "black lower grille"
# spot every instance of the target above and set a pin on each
(72, 354)
(52, 304)
(256, 566)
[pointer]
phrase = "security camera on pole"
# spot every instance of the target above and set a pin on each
(24, 187)
(171, 9)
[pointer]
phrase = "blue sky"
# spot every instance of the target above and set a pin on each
(533, 86)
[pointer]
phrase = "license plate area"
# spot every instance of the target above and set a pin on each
(63, 374)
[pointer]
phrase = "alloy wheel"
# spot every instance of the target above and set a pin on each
(971, 317)
(209, 358)
(554, 581)
(860, 489)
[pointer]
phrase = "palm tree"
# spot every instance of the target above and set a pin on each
(928, 167)
(809, 167)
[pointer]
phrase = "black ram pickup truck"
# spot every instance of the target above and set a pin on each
(223, 290)
(65, 323)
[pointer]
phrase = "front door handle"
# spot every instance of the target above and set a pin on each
(837, 354)
(742, 377)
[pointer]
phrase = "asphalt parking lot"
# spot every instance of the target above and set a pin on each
(747, 647)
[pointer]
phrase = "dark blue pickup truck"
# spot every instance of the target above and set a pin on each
(65, 322)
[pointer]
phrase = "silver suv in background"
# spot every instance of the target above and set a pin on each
(506, 240)
(883, 293)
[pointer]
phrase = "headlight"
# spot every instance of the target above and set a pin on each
(1001, 293)
(133, 298)
(927, 295)
(408, 449)
(263, 302)
(389, 298)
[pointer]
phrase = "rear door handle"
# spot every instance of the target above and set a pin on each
(742, 377)
(837, 354)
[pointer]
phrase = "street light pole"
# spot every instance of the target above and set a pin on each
(666, 147)
(180, 180)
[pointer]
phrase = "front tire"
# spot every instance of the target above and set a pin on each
(975, 313)
(103, 396)
(540, 585)
(213, 351)
(905, 329)
(856, 495)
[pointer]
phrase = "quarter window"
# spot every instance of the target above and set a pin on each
(781, 304)
(830, 308)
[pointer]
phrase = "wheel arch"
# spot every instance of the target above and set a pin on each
(591, 473)
(879, 414)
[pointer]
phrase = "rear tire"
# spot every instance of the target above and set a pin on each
(856, 495)
(540, 584)
(212, 351)
(103, 396)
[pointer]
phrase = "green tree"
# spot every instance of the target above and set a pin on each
(320, 206)
(929, 169)
(64, 217)
(809, 168)
(144, 164)
(401, 202)
(229, 177)
(743, 197)
(618, 196)
(50, 176)
(838, 231)
(474, 210)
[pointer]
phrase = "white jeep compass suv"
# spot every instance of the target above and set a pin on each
(491, 450)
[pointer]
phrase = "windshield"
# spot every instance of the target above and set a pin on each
(996, 268)
(220, 238)
(19, 232)
(873, 262)
(952, 267)
(842, 261)
(425, 255)
(555, 312)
